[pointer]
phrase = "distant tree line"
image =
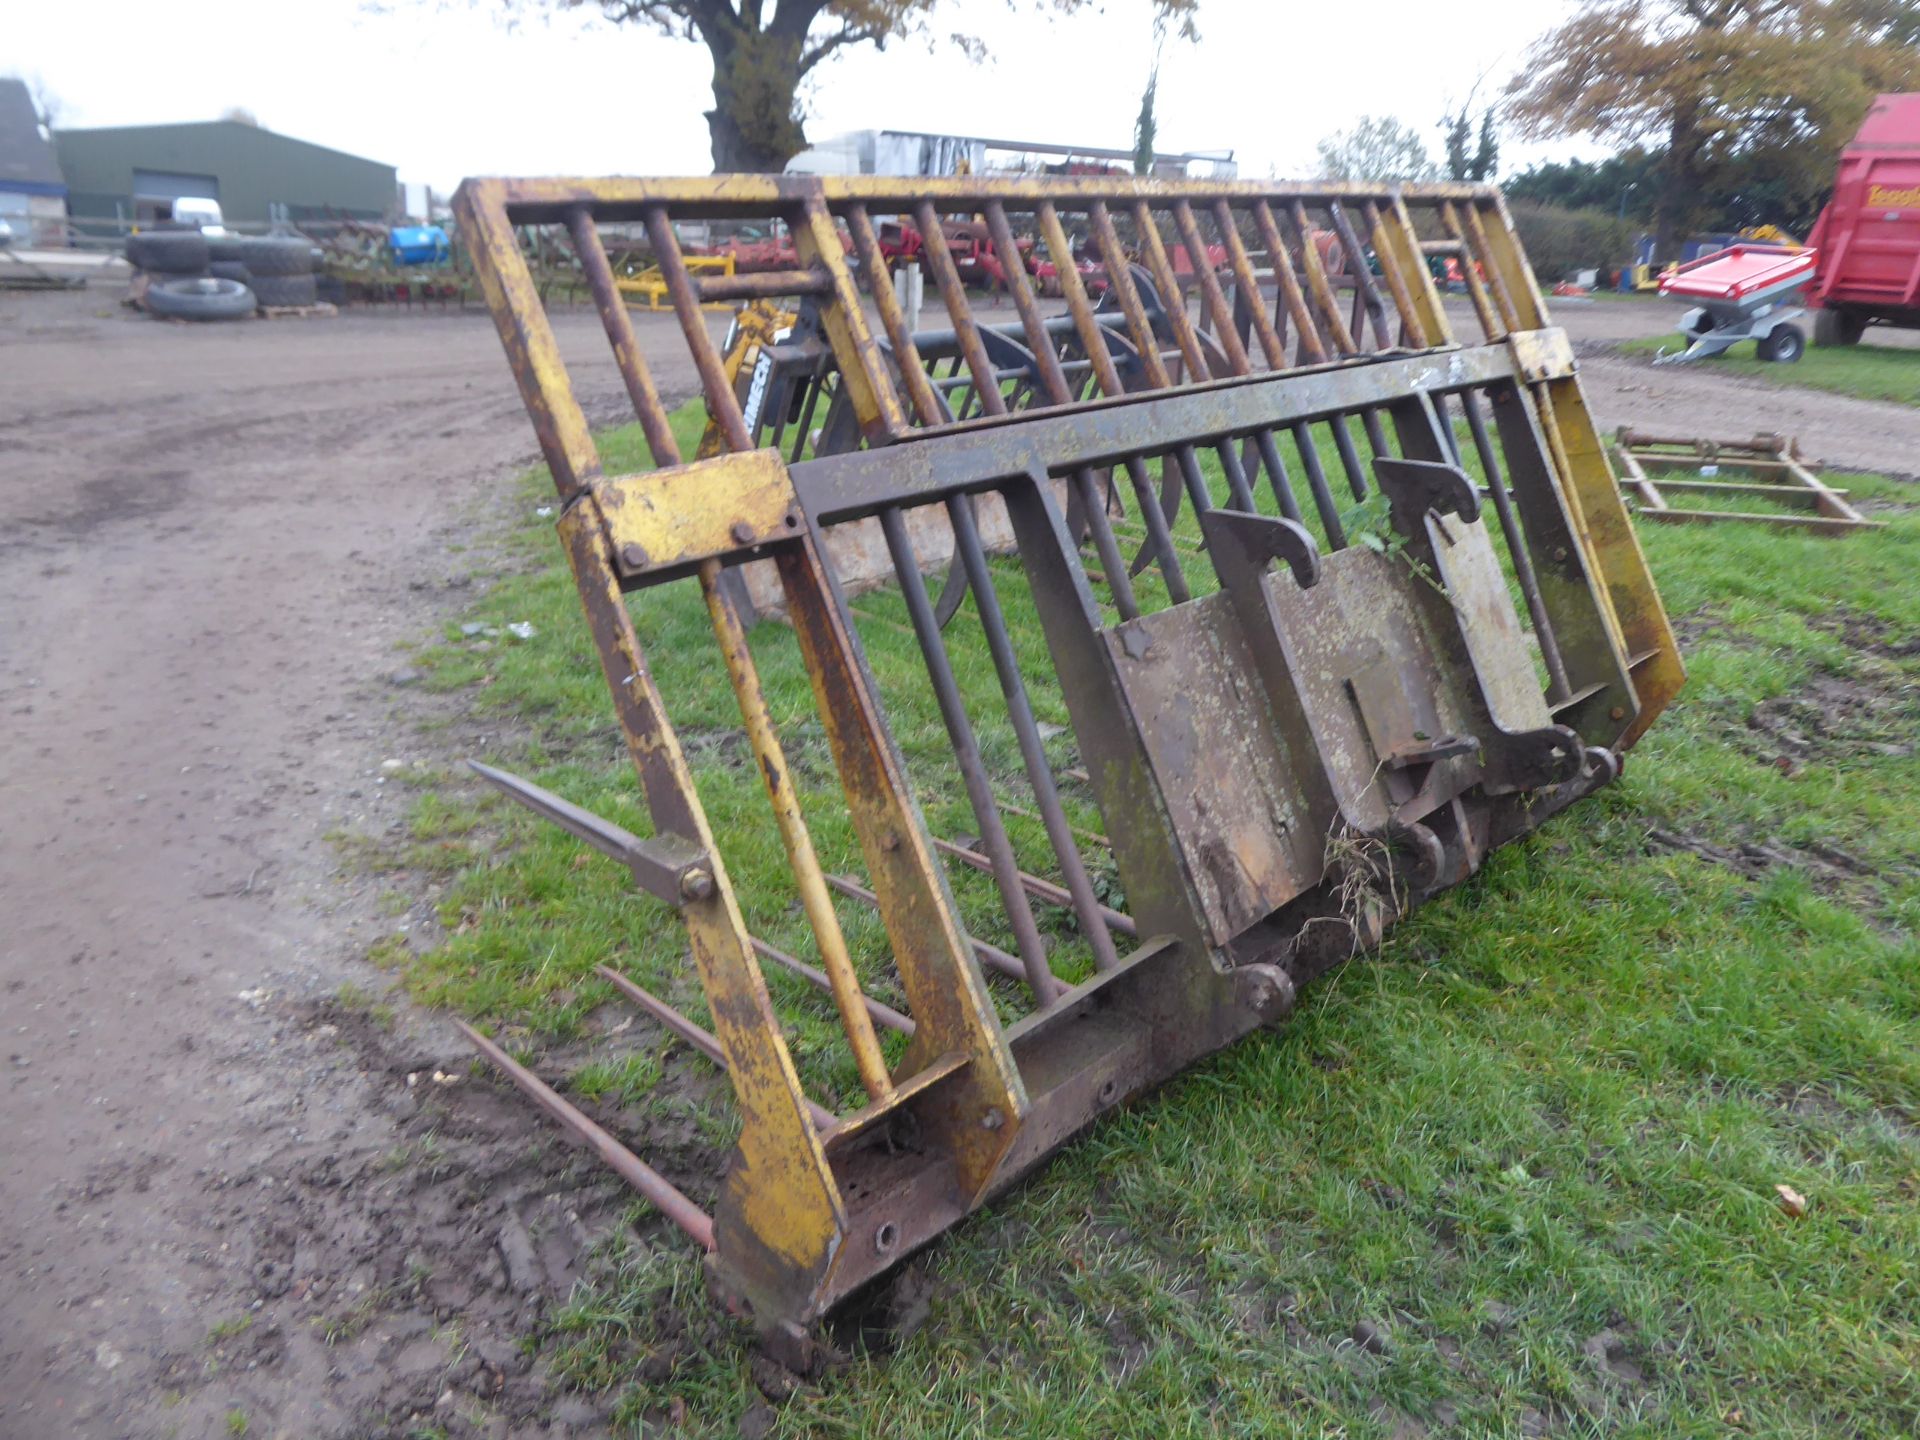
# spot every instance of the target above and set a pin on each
(1752, 191)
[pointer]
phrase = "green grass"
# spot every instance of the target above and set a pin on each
(1535, 1139)
(1871, 372)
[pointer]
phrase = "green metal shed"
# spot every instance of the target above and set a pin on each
(135, 172)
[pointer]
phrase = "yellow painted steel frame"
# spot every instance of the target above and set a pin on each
(784, 1227)
(1585, 473)
(782, 1222)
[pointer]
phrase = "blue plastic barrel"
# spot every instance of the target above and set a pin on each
(418, 244)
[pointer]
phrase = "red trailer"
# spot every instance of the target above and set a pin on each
(1869, 234)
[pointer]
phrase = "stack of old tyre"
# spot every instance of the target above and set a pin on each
(277, 268)
(194, 276)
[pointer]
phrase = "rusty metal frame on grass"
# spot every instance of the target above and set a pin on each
(1289, 735)
(1778, 475)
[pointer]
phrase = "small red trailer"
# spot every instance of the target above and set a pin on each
(1869, 234)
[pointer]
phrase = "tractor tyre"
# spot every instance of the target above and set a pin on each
(1835, 327)
(276, 291)
(200, 299)
(168, 252)
(277, 255)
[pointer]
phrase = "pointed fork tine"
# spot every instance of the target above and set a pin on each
(668, 867)
(629, 1166)
(605, 836)
(705, 1041)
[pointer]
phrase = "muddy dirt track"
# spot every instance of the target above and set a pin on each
(222, 1191)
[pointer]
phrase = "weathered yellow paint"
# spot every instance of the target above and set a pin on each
(689, 512)
(1633, 606)
(1613, 550)
(1542, 354)
(1490, 325)
(875, 402)
(808, 877)
(1317, 282)
(945, 988)
(781, 1223)
(699, 196)
(1403, 244)
(566, 440)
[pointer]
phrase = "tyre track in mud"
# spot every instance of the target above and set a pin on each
(224, 1192)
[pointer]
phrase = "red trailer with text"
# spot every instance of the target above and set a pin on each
(1869, 234)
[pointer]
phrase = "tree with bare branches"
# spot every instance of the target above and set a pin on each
(1722, 84)
(763, 49)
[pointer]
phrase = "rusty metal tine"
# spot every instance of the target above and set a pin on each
(882, 1013)
(611, 840)
(1215, 300)
(1317, 482)
(1290, 293)
(1277, 474)
(1410, 326)
(1032, 749)
(1053, 381)
(693, 323)
(626, 346)
(1476, 288)
(986, 385)
(816, 387)
(1362, 274)
(1483, 252)
(1318, 283)
(1037, 887)
(1421, 287)
(1154, 252)
(1120, 281)
(700, 1039)
(794, 836)
(1094, 837)
(1159, 536)
(1271, 343)
(1092, 335)
(1107, 374)
(990, 955)
(966, 747)
(1445, 429)
(663, 1194)
(1376, 433)
(905, 353)
(1236, 474)
(1349, 457)
(864, 378)
(1517, 551)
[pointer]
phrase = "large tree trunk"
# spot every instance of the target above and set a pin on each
(1680, 181)
(754, 122)
(734, 153)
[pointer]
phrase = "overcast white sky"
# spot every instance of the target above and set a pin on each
(442, 91)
